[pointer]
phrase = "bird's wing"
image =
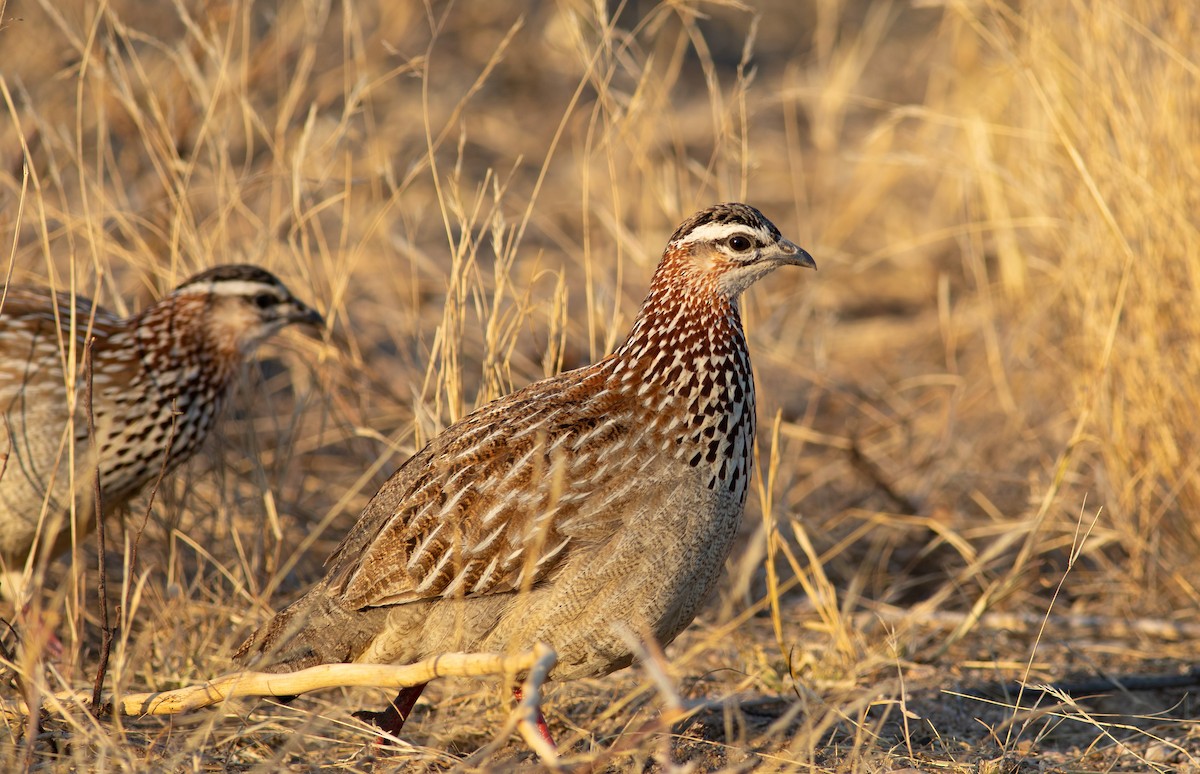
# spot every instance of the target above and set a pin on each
(38, 337)
(32, 335)
(499, 500)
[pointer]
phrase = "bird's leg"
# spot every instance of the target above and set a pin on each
(39, 631)
(43, 629)
(391, 720)
(32, 627)
(542, 729)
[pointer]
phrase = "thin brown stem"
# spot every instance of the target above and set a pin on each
(4, 454)
(868, 468)
(102, 580)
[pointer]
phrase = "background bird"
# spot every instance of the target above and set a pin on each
(583, 508)
(159, 381)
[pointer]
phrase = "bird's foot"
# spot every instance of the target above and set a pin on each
(35, 632)
(391, 720)
(543, 728)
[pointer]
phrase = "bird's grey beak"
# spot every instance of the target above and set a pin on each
(793, 255)
(302, 315)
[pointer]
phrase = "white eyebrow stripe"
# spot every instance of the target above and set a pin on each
(230, 288)
(716, 232)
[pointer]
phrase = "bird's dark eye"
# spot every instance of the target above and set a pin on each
(740, 243)
(264, 300)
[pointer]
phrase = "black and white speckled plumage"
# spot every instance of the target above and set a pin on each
(160, 375)
(602, 499)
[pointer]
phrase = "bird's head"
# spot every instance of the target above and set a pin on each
(244, 305)
(728, 247)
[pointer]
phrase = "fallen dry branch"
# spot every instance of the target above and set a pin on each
(1098, 626)
(245, 684)
(1099, 684)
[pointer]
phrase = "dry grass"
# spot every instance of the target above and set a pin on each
(976, 422)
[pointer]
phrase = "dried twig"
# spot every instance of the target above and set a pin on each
(651, 658)
(5, 454)
(1107, 628)
(98, 503)
(523, 719)
(1100, 684)
(870, 470)
(531, 704)
(243, 684)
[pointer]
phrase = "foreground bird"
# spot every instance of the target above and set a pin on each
(577, 511)
(159, 379)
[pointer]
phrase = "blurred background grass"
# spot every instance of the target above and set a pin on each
(990, 385)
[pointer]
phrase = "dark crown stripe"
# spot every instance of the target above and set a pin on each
(235, 272)
(729, 213)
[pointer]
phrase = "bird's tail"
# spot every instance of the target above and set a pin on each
(313, 630)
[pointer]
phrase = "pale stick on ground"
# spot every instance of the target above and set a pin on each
(537, 663)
